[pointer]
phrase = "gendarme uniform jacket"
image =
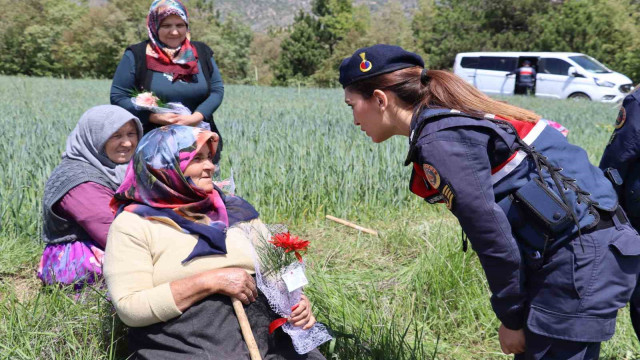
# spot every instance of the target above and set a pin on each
(502, 180)
(623, 154)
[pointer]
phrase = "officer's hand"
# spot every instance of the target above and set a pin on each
(511, 341)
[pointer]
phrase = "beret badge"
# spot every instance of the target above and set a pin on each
(365, 65)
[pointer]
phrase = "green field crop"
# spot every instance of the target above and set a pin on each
(410, 293)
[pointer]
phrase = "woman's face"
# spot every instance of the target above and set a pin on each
(369, 115)
(122, 144)
(172, 31)
(201, 168)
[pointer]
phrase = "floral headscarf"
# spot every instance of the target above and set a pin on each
(155, 188)
(181, 62)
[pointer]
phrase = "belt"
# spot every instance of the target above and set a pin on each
(606, 218)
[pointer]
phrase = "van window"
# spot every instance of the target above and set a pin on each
(470, 62)
(553, 66)
(590, 64)
(498, 63)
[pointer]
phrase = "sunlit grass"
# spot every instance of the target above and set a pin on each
(408, 294)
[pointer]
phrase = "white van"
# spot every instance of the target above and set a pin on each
(559, 75)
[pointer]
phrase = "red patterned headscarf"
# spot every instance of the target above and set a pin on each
(182, 63)
(156, 188)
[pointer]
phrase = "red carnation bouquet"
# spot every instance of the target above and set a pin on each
(280, 275)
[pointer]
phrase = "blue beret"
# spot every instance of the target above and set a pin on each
(375, 60)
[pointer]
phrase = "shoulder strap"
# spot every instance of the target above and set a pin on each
(143, 75)
(204, 54)
(415, 133)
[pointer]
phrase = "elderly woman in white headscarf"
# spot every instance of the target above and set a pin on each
(75, 206)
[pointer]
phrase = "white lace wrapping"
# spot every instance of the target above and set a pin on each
(281, 301)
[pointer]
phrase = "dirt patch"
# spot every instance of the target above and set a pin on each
(24, 284)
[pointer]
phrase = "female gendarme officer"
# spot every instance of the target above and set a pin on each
(621, 162)
(558, 253)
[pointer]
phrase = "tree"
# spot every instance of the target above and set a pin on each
(607, 37)
(328, 72)
(391, 26)
(443, 28)
(336, 20)
(263, 55)
(302, 52)
(313, 40)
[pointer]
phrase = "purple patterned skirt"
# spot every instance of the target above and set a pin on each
(77, 262)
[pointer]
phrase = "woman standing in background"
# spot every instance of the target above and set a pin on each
(173, 67)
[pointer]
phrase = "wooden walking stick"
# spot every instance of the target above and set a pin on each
(247, 334)
(352, 225)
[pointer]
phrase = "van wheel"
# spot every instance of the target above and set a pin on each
(579, 96)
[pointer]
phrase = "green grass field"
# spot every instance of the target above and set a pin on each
(410, 293)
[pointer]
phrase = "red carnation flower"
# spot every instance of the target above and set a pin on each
(289, 243)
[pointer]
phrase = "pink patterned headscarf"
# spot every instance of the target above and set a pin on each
(155, 187)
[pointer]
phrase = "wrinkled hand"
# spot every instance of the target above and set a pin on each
(301, 314)
(189, 120)
(511, 341)
(235, 282)
(163, 119)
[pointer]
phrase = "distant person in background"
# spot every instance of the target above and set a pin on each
(172, 67)
(76, 213)
(621, 163)
(525, 78)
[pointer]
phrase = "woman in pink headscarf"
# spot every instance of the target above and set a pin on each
(180, 248)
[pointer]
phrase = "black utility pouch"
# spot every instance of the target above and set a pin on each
(614, 176)
(539, 200)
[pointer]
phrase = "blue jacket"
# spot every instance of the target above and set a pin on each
(623, 154)
(480, 170)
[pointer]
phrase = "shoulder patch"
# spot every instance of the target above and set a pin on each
(449, 195)
(622, 117)
(432, 175)
(613, 136)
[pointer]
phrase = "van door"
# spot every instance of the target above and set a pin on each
(552, 79)
(467, 69)
(491, 74)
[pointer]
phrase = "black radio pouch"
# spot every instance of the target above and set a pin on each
(539, 200)
(537, 215)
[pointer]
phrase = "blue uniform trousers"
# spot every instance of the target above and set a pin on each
(545, 348)
(634, 310)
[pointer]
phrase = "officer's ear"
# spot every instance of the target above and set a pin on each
(381, 99)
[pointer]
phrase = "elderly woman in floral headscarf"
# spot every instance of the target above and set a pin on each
(180, 248)
(171, 66)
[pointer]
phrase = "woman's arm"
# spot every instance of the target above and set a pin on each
(123, 84)
(128, 270)
(233, 282)
(211, 103)
(460, 158)
(88, 206)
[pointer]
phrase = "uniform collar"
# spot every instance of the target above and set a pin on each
(418, 123)
(426, 115)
